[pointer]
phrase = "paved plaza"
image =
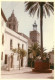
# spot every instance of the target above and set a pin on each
(25, 73)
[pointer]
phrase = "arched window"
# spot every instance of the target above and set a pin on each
(14, 27)
(9, 25)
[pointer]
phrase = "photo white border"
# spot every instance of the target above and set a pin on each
(0, 37)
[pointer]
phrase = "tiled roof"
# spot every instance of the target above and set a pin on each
(29, 40)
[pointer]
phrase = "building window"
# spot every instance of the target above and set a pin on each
(11, 44)
(5, 59)
(2, 56)
(22, 46)
(18, 45)
(3, 39)
(9, 26)
(13, 27)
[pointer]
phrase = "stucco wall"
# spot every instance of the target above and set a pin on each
(3, 25)
(16, 38)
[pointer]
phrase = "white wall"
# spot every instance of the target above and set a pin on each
(16, 38)
(15, 61)
(3, 25)
(15, 42)
(24, 61)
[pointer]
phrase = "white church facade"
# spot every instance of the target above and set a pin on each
(11, 38)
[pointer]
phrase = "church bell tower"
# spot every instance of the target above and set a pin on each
(12, 22)
(33, 34)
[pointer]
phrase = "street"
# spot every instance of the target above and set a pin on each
(25, 73)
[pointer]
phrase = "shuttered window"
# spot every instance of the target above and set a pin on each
(11, 44)
(3, 39)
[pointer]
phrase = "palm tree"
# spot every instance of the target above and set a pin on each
(22, 54)
(34, 49)
(41, 8)
(14, 50)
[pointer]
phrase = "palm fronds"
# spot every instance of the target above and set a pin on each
(32, 7)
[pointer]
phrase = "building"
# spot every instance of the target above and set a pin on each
(28, 38)
(51, 57)
(35, 35)
(3, 24)
(11, 39)
(12, 22)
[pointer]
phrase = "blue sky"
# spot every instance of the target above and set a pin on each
(26, 22)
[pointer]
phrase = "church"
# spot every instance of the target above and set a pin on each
(11, 38)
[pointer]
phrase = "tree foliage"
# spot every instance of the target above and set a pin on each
(34, 7)
(20, 51)
(41, 8)
(34, 50)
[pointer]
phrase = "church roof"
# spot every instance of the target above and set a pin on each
(12, 18)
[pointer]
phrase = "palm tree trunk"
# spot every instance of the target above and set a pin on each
(41, 29)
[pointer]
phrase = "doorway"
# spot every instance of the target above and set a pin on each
(11, 61)
(5, 59)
